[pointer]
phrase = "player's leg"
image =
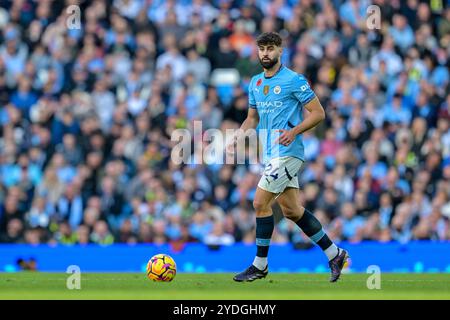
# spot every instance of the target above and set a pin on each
(292, 209)
(262, 204)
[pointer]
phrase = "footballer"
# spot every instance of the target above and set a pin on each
(277, 97)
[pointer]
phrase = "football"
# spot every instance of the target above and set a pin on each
(161, 268)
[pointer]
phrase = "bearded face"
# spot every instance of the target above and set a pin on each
(269, 55)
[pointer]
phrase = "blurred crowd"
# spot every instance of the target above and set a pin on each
(87, 115)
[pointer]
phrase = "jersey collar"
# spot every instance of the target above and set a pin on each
(278, 71)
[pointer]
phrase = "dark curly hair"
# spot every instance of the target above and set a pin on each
(268, 38)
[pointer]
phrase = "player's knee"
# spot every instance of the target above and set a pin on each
(293, 213)
(260, 207)
(290, 214)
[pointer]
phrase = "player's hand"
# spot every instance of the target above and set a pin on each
(286, 137)
(230, 147)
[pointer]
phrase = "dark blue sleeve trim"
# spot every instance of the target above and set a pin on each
(313, 96)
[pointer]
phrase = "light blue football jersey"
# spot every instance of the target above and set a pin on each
(279, 101)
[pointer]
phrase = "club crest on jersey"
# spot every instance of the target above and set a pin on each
(277, 90)
(266, 90)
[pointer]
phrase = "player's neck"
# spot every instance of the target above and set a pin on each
(268, 73)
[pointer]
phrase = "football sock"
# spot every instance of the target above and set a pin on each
(332, 252)
(313, 229)
(264, 229)
(260, 262)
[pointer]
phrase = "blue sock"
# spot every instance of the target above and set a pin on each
(313, 229)
(264, 229)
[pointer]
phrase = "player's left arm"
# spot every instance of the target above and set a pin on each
(303, 92)
(315, 116)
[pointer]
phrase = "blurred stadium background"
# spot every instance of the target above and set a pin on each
(86, 118)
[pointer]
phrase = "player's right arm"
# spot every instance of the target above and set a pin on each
(251, 122)
(252, 119)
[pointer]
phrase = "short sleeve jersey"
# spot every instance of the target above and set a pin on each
(279, 100)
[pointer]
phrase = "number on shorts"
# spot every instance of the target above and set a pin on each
(271, 172)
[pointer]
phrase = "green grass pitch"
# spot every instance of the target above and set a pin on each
(40, 285)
